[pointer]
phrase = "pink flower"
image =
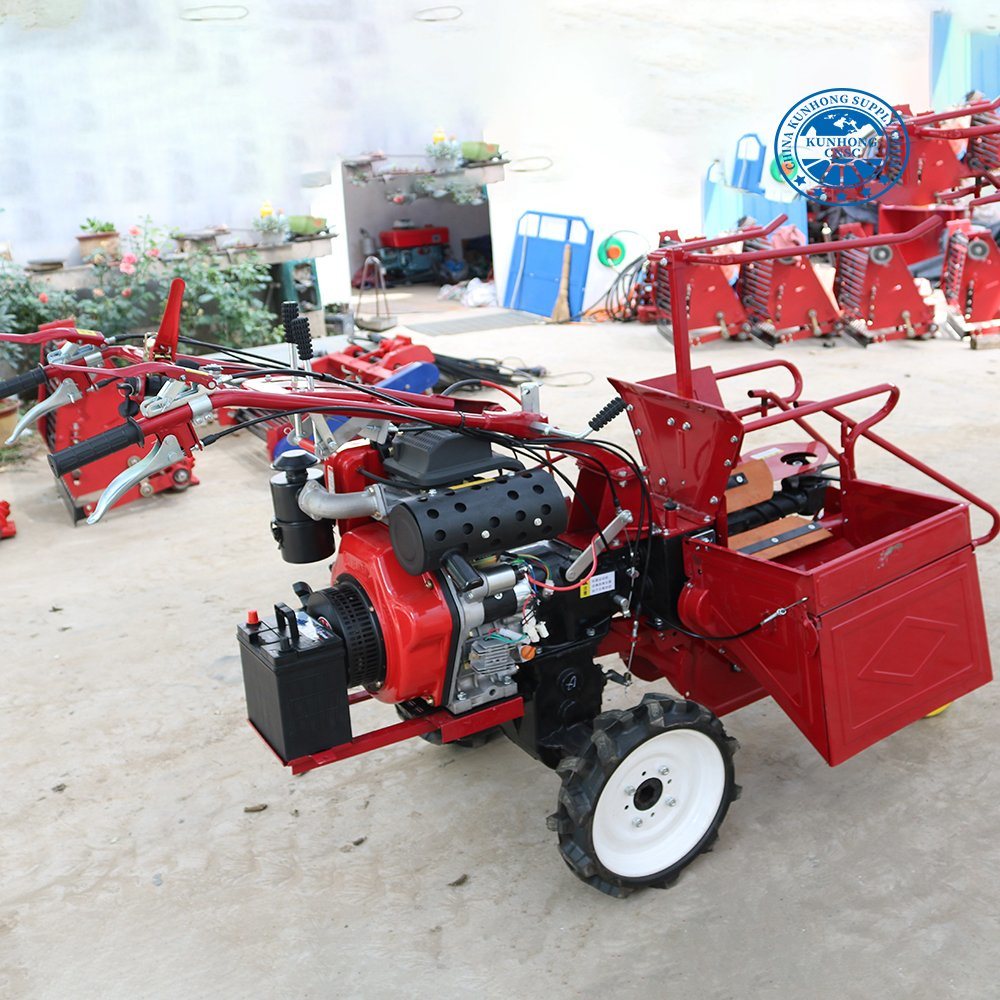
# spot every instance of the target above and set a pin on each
(153, 252)
(129, 258)
(98, 293)
(134, 231)
(126, 293)
(126, 268)
(43, 298)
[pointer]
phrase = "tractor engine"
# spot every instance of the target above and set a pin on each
(445, 594)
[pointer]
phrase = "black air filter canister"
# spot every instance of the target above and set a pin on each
(479, 520)
(300, 538)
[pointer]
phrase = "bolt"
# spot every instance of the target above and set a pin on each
(713, 500)
(429, 584)
(663, 769)
(733, 439)
(671, 801)
(486, 534)
(637, 821)
(661, 481)
(461, 696)
(638, 432)
(538, 521)
(685, 426)
(671, 421)
(727, 463)
(630, 408)
(622, 483)
(630, 789)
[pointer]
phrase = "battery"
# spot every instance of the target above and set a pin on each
(295, 678)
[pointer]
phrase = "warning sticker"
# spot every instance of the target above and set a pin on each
(599, 584)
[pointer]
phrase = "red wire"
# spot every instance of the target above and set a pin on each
(500, 388)
(575, 586)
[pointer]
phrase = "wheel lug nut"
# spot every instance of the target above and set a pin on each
(664, 769)
(637, 821)
(630, 789)
(671, 801)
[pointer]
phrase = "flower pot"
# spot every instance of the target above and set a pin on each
(106, 243)
(272, 238)
(8, 416)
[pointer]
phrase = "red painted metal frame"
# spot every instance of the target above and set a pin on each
(714, 310)
(971, 284)
(879, 297)
(785, 295)
(451, 727)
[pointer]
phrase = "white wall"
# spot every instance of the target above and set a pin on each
(121, 108)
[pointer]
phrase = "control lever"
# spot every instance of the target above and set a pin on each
(164, 453)
(68, 392)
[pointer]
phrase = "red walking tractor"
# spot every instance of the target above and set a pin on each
(479, 580)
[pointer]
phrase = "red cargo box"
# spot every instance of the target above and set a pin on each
(892, 625)
(425, 236)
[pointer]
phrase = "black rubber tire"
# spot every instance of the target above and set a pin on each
(472, 742)
(615, 735)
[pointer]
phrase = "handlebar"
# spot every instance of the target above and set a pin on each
(95, 448)
(31, 379)
(923, 229)
(45, 334)
(930, 117)
(743, 234)
(969, 132)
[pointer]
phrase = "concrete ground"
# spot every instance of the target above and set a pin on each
(131, 868)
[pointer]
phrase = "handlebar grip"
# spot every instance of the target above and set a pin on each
(23, 383)
(95, 448)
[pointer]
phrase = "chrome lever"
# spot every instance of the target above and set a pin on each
(164, 453)
(68, 392)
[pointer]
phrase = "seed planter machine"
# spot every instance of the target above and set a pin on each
(471, 595)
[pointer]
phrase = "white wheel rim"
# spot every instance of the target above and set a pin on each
(659, 803)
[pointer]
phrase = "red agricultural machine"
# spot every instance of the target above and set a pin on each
(470, 594)
(7, 527)
(971, 281)
(878, 297)
(66, 415)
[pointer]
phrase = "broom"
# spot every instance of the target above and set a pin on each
(560, 311)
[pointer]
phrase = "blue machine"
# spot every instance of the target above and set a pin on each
(725, 203)
(962, 61)
(416, 377)
(536, 262)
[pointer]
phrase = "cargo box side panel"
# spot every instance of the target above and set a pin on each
(901, 651)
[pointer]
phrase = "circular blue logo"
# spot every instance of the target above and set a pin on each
(841, 145)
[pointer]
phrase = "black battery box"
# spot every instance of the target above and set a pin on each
(295, 677)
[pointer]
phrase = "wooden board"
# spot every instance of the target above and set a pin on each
(775, 529)
(759, 486)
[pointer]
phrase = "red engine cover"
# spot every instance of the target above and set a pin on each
(415, 620)
(425, 236)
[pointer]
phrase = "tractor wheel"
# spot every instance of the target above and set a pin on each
(645, 796)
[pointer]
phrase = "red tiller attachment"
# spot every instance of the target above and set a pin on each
(970, 280)
(877, 294)
(373, 365)
(7, 527)
(714, 311)
(784, 298)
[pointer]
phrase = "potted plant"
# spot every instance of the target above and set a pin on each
(272, 226)
(98, 237)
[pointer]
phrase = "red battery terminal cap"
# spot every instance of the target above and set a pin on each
(253, 618)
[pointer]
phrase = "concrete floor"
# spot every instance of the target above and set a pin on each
(131, 869)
